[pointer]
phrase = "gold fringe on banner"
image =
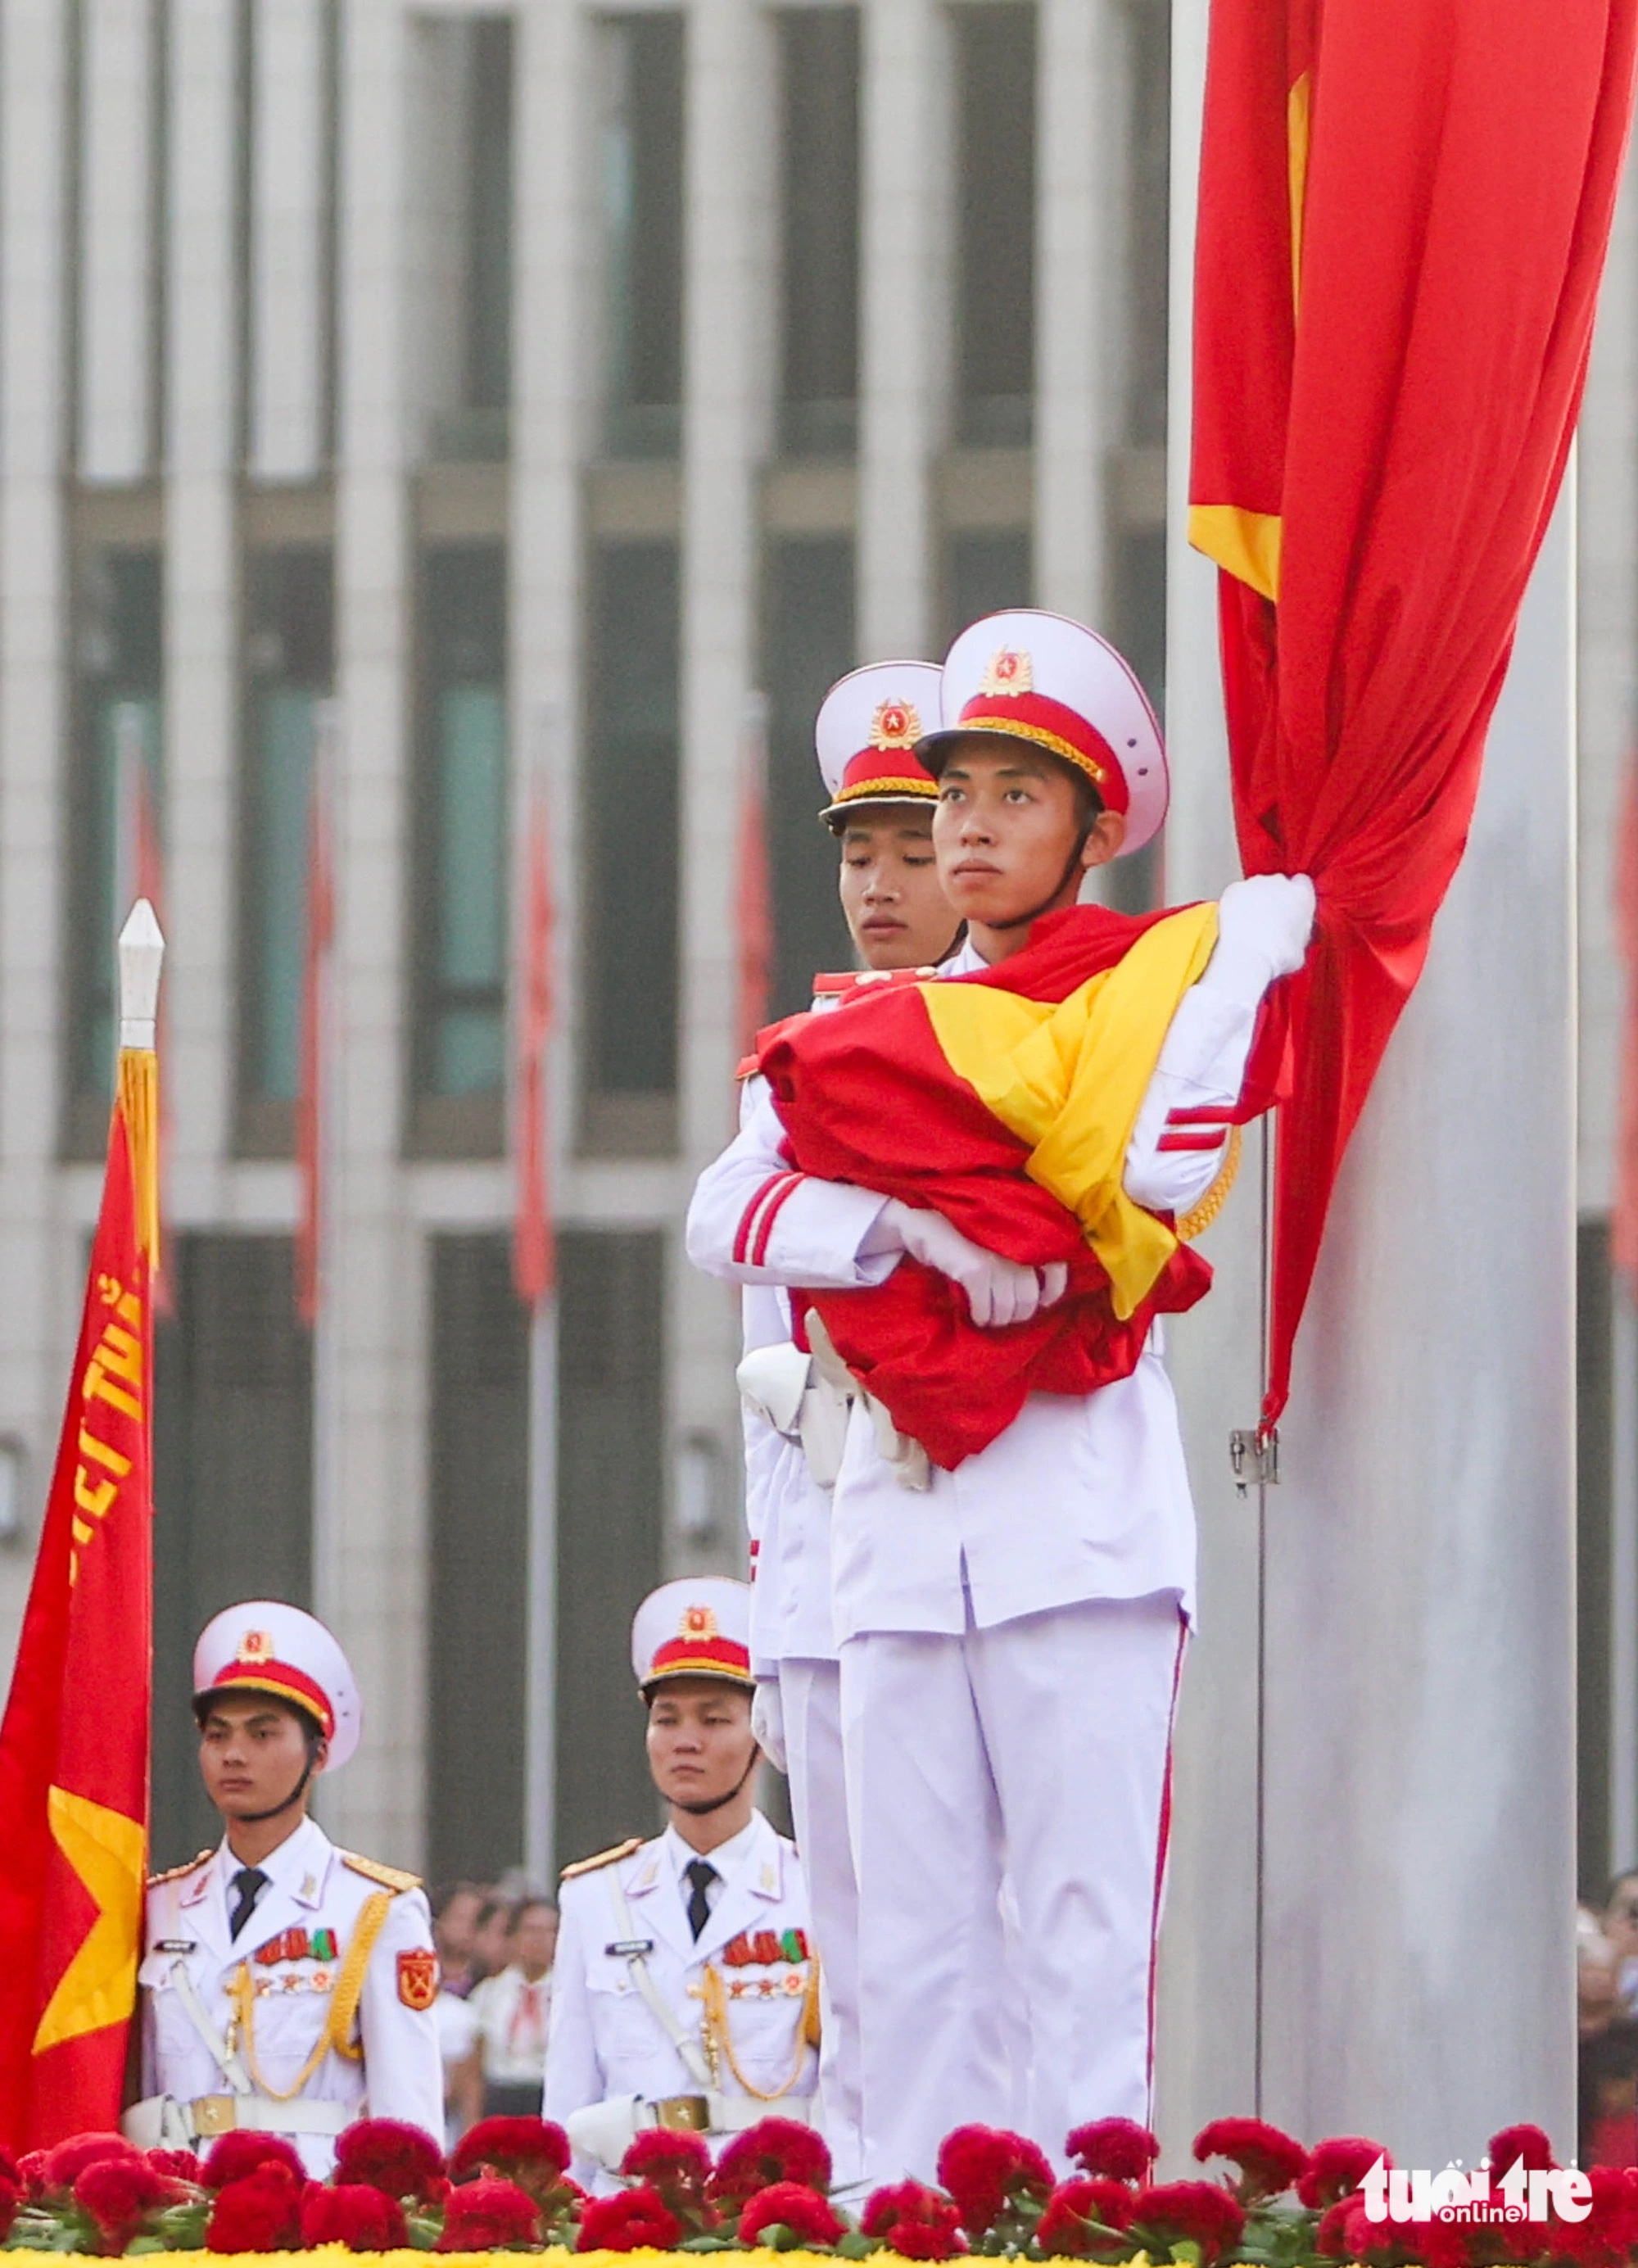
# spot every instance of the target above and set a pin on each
(138, 1103)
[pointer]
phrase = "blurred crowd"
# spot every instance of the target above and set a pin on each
(496, 1942)
(1606, 1993)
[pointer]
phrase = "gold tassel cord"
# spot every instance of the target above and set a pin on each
(138, 1104)
(715, 1998)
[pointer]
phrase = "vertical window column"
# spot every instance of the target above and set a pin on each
(904, 319)
(116, 263)
(291, 100)
(819, 209)
(289, 668)
(640, 171)
(461, 894)
(996, 223)
(629, 819)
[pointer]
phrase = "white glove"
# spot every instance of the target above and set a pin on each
(999, 1291)
(604, 2132)
(767, 1722)
(1264, 924)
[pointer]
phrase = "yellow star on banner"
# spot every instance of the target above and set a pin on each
(107, 1852)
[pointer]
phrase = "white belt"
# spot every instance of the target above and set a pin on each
(209, 2114)
(712, 2113)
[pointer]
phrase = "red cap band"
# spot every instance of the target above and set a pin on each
(1063, 732)
(278, 1678)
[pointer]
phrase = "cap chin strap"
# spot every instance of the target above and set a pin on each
(1073, 864)
(716, 1802)
(258, 1818)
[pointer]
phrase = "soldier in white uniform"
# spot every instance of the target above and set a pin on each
(1011, 1631)
(286, 1986)
(881, 814)
(685, 1989)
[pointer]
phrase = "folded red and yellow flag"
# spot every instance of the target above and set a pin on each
(1005, 1101)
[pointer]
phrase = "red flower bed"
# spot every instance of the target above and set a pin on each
(789, 2205)
(235, 2155)
(360, 2215)
(636, 2220)
(260, 2211)
(489, 2215)
(118, 2194)
(53, 2173)
(1269, 2161)
(773, 2150)
(914, 2221)
(1336, 2169)
(986, 2169)
(1191, 2212)
(387, 2154)
(1079, 2210)
(1118, 2147)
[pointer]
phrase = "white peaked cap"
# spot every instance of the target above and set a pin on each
(264, 1647)
(699, 1626)
(1043, 679)
(866, 731)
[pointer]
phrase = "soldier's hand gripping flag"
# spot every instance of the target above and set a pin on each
(74, 1741)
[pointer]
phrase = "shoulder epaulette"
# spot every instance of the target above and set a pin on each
(604, 1858)
(390, 1878)
(175, 1874)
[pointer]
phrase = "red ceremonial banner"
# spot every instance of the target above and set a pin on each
(74, 1741)
(1403, 216)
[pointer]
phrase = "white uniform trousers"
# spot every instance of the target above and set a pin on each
(809, 1696)
(1041, 1745)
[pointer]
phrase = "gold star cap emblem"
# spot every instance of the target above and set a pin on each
(1007, 671)
(697, 1622)
(896, 724)
(255, 1645)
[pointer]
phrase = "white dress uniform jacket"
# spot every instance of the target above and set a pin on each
(1080, 1498)
(315, 1894)
(607, 2045)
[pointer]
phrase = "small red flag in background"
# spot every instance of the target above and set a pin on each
(313, 1097)
(74, 1741)
(534, 1252)
(1624, 1226)
(753, 908)
(1403, 219)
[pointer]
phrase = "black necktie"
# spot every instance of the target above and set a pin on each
(702, 1874)
(247, 1883)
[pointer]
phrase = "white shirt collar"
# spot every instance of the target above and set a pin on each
(964, 961)
(728, 1857)
(296, 1865)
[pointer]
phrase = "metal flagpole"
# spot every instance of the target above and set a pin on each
(541, 1735)
(328, 1479)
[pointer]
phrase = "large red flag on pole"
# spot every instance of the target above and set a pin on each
(534, 1257)
(1403, 217)
(74, 1741)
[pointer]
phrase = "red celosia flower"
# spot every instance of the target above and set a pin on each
(260, 2212)
(32, 2167)
(1269, 2160)
(678, 2166)
(636, 2220)
(1064, 2227)
(399, 2159)
(181, 2165)
(1336, 2168)
(1193, 2212)
(803, 2210)
(1331, 2236)
(915, 2222)
(118, 2194)
(61, 2166)
(773, 2150)
(1514, 2143)
(532, 2152)
(358, 2214)
(985, 2168)
(489, 2215)
(1606, 2238)
(236, 2154)
(1118, 2147)
(12, 2194)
